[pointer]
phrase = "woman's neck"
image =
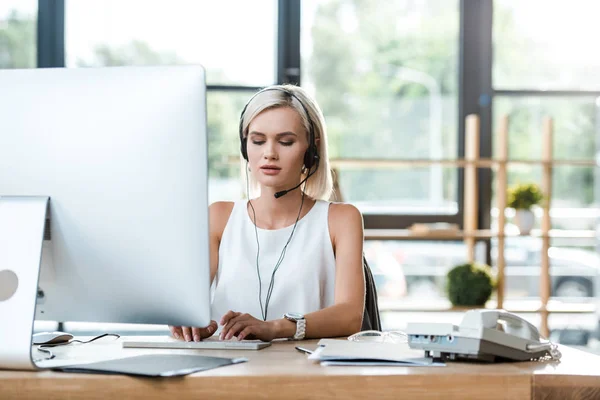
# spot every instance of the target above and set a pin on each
(278, 213)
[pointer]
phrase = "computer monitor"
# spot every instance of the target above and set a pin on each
(122, 154)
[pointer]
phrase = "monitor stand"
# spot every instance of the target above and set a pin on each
(22, 223)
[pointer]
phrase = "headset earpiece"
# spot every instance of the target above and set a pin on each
(244, 148)
(311, 156)
(243, 140)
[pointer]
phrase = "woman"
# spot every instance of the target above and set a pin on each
(287, 263)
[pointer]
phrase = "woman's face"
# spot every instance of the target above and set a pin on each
(276, 145)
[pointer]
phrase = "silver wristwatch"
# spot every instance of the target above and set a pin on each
(300, 324)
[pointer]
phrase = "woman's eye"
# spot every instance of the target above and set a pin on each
(287, 143)
(256, 142)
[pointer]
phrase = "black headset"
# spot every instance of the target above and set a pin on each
(311, 157)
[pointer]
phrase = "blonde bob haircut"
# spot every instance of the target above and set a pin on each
(320, 184)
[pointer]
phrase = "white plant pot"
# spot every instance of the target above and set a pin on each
(524, 219)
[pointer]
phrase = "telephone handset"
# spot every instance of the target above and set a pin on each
(492, 319)
(483, 335)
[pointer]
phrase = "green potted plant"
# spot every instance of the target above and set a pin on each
(522, 197)
(470, 284)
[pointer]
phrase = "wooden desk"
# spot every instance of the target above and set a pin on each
(281, 372)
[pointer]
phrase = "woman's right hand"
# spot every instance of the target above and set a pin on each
(196, 334)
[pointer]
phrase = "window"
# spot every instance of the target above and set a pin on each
(412, 274)
(111, 33)
(574, 269)
(546, 45)
(575, 129)
(574, 262)
(234, 40)
(223, 114)
(18, 20)
(542, 46)
(386, 77)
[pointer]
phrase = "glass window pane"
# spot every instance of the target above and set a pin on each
(576, 125)
(574, 269)
(408, 190)
(225, 180)
(574, 203)
(18, 30)
(575, 189)
(545, 45)
(138, 32)
(412, 274)
(574, 261)
(385, 75)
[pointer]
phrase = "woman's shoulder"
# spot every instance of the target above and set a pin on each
(345, 225)
(342, 211)
(219, 213)
(221, 206)
(343, 216)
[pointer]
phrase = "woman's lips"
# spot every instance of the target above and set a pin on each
(270, 170)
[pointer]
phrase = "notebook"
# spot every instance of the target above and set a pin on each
(345, 352)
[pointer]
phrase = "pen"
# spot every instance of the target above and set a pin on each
(303, 350)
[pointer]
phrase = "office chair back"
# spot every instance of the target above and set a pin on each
(371, 318)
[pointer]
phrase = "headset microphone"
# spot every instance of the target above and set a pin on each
(284, 192)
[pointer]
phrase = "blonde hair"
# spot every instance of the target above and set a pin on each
(320, 184)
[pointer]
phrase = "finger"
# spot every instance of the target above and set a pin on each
(228, 315)
(247, 331)
(176, 331)
(187, 333)
(235, 329)
(202, 333)
(211, 329)
(196, 332)
(230, 323)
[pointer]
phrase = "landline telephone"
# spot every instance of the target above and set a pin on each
(483, 335)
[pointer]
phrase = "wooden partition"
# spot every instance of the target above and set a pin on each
(471, 187)
(471, 232)
(501, 185)
(500, 165)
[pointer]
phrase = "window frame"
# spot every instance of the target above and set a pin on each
(475, 90)
(51, 34)
(472, 53)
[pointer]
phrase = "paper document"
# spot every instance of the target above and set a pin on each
(345, 352)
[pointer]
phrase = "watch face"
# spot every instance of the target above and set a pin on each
(293, 315)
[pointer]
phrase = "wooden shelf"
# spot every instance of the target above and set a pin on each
(450, 162)
(479, 162)
(407, 234)
(561, 234)
(524, 306)
(481, 234)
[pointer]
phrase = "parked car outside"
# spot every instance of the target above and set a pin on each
(418, 269)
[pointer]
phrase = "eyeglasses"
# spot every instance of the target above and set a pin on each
(379, 337)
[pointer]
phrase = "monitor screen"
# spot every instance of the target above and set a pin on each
(122, 154)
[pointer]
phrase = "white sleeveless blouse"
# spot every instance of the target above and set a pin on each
(304, 281)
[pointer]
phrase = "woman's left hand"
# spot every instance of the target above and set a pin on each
(245, 326)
